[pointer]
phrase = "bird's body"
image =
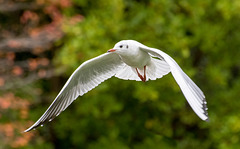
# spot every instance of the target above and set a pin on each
(128, 60)
(135, 59)
(139, 61)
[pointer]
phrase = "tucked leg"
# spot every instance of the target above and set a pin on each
(143, 78)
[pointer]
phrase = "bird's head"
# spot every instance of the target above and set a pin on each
(125, 47)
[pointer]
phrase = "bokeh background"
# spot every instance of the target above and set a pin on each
(43, 41)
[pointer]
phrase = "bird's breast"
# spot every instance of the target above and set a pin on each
(136, 60)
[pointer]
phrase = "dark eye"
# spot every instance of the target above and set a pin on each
(120, 46)
(127, 46)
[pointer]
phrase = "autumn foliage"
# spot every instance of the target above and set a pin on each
(14, 119)
(28, 32)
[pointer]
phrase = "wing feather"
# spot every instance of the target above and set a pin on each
(87, 76)
(191, 91)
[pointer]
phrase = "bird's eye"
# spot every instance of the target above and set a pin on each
(120, 46)
(127, 46)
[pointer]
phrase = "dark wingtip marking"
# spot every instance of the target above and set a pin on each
(207, 120)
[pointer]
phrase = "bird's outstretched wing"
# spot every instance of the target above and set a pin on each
(191, 91)
(87, 76)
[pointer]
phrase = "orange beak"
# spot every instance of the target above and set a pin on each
(111, 50)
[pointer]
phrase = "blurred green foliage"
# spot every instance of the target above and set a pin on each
(202, 36)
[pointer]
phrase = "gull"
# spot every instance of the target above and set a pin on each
(128, 60)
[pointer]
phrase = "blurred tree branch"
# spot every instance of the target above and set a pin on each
(20, 44)
(8, 6)
(17, 82)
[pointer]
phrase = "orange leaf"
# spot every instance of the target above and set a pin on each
(17, 70)
(32, 64)
(2, 81)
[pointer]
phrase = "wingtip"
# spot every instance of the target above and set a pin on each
(33, 127)
(29, 129)
(25, 131)
(207, 120)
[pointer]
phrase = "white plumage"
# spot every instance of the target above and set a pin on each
(128, 60)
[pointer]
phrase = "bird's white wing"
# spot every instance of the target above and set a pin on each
(87, 76)
(191, 91)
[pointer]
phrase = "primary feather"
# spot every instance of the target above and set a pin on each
(87, 76)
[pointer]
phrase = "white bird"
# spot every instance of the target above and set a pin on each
(128, 60)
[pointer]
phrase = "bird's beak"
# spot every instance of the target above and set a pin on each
(111, 50)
